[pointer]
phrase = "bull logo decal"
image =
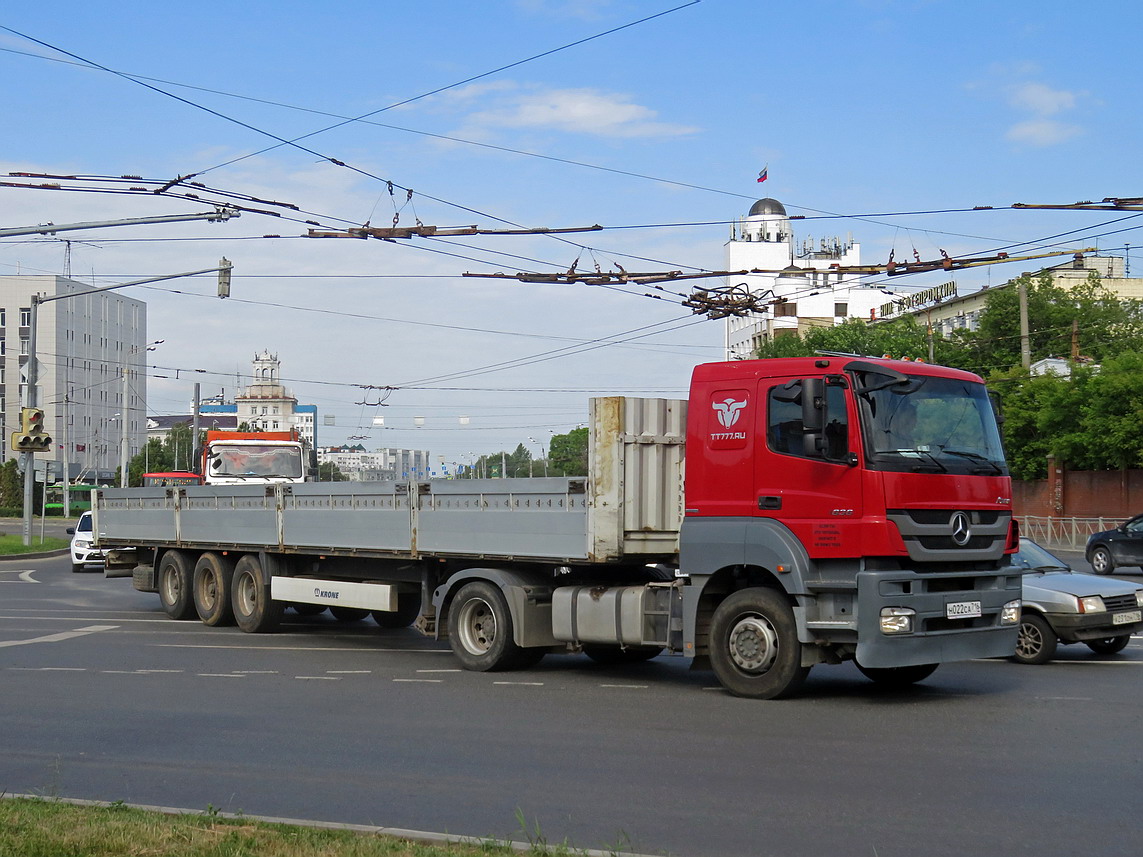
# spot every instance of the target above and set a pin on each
(729, 411)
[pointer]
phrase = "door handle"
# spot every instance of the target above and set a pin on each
(770, 503)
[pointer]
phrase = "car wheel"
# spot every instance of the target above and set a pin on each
(76, 567)
(1108, 645)
(1101, 561)
(1036, 643)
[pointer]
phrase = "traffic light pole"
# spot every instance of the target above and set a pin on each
(30, 398)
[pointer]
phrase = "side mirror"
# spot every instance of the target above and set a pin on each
(814, 416)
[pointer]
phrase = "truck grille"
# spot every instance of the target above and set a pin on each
(929, 533)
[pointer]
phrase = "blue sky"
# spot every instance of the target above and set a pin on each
(858, 108)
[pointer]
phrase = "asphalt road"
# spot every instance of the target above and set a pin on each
(105, 698)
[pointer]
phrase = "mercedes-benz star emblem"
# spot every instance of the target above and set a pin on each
(961, 529)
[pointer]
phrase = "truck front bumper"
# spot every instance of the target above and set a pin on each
(948, 616)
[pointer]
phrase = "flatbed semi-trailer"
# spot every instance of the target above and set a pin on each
(797, 537)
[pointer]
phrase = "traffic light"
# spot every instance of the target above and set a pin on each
(224, 267)
(31, 437)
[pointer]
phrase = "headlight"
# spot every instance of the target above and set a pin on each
(83, 543)
(1010, 613)
(897, 620)
(1139, 597)
(1092, 604)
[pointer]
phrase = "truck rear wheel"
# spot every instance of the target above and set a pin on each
(609, 655)
(213, 575)
(175, 575)
(754, 646)
(254, 610)
(348, 614)
(480, 630)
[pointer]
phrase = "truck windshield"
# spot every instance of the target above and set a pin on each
(934, 425)
(256, 461)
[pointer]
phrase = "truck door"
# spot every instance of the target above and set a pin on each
(815, 491)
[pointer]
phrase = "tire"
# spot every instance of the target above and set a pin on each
(1108, 645)
(254, 610)
(754, 646)
(175, 575)
(213, 577)
(609, 655)
(480, 630)
(1102, 561)
(308, 609)
(77, 567)
(898, 676)
(1036, 643)
(348, 614)
(408, 609)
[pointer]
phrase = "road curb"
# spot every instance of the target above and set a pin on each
(396, 832)
(11, 557)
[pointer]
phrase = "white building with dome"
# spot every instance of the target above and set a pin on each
(805, 294)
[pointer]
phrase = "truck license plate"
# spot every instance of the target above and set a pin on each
(962, 610)
(1126, 618)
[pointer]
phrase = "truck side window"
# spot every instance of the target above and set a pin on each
(784, 423)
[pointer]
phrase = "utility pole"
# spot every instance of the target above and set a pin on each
(124, 426)
(1025, 347)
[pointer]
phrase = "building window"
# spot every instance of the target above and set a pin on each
(25, 316)
(785, 309)
(840, 309)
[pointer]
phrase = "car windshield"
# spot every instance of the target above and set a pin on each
(256, 460)
(941, 425)
(84, 525)
(1035, 558)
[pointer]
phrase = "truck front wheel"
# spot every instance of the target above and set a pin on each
(175, 585)
(754, 646)
(213, 575)
(480, 630)
(254, 610)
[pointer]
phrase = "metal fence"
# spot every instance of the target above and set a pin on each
(1063, 533)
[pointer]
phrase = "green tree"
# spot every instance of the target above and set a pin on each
(172, 453)
(330, 472)
(11, 485)
(1104, 324)
(902, 337)
(567, 453)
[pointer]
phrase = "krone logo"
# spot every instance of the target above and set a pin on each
(961, 530)
(729, 411)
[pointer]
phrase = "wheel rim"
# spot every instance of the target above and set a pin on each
(246, 595)
(208, 591)
(477, 626)
(753, 644)
(1030, 642)
(1100, 561)
(172, 588)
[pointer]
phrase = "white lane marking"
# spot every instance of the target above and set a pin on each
(628, 686)
(317, 678)
(349, 672)
(60, 637)
(25, 574)
(524, 683)
(220, 675)
(421, 680)
(49, 669)
(302, 649)
(439, 671)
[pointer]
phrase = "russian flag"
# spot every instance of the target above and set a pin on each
(762, 176)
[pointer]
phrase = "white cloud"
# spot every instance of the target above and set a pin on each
(1041, 132)
(1040, 99)
(584, 111)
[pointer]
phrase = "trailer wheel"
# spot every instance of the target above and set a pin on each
(308, 609)
(480, 630)
(615, 655)
(213, 576)
(348, 614)
(898, 676)
(175, 575)
(254, 610)
(408, 609)
(754, 646)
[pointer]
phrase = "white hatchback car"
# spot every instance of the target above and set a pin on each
(83, 555)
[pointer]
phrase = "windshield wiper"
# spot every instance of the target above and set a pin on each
(974, 456)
